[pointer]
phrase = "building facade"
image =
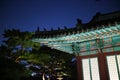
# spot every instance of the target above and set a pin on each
(96, 45)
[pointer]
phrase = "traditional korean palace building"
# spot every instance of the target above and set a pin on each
(96, 45)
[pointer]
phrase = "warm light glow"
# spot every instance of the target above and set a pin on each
(112, 68)
(95, 69)
(86, 69)
(90, 69)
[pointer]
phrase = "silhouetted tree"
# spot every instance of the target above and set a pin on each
(51, 61)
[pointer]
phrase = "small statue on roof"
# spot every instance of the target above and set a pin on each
(38, 29)
(58, 28)
(79, 21)
(44, 29)
(65, 27)
(51, 29)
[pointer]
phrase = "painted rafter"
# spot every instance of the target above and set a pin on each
(65, 42)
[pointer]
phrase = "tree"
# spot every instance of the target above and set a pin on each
(52, 62)
(9, 70)
(16, 38)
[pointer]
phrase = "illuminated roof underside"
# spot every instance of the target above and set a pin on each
(106, 39)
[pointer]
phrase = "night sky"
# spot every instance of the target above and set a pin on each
(27, 15)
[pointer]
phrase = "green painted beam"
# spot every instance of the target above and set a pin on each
(85, 41)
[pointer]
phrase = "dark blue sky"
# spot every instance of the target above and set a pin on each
(26, 15)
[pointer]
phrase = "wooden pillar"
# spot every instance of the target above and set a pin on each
(103, 67)
(79, 68)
